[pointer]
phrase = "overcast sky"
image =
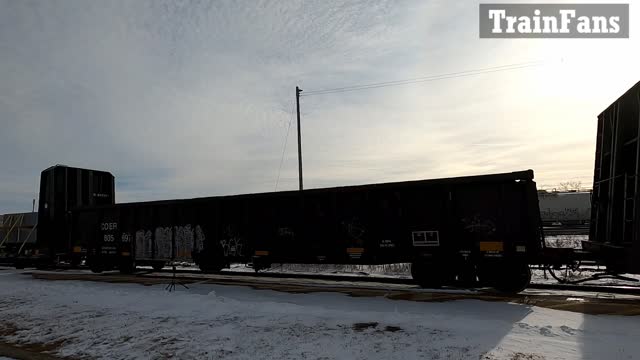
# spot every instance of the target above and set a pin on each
(194, 98)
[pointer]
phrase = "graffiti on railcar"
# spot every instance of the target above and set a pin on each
(479, 225)
(199, 239)
(355, 231)
(286, 232)
(560, 213)
(232, 243)
(566, 215)
(184, 242)
(232, 247)
(144, 244)
(565, 207)
(163, 237)
(169, 242)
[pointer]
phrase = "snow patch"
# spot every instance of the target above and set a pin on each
(129, 321)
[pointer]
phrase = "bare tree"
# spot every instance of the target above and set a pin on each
(570, 185)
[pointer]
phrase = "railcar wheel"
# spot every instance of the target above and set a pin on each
(127, 268)
(209, 268)
(426, 275)
(19, 264)
(260, 263)
(513, 278)
(211, 261)
(43, 264)
(96, 268)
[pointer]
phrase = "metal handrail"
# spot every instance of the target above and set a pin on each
(27, 238)
(20, 218)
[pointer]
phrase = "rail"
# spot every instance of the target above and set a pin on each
(626, 290)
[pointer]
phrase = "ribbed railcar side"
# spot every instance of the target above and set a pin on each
(63, 189)
(615, 212)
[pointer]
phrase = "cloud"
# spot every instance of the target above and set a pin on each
(193, 98)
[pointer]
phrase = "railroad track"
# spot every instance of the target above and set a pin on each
(566, 230)
(350, 279)
(623, 290)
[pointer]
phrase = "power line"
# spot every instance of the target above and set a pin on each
(426, 78)
(284, 148)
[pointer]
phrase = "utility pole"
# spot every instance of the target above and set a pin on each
(298, 91)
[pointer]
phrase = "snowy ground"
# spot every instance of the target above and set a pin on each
(130, 321)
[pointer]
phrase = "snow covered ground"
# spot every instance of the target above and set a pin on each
(130, 321)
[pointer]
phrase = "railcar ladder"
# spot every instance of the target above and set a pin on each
(629, 206)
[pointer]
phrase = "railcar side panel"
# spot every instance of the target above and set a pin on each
(615, 212)
(63, 189)
(449, 222)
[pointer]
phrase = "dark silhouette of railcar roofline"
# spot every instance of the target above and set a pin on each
(75, 168)
(524, 175)
(619, 98)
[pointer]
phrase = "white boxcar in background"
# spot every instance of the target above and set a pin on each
(565, 208)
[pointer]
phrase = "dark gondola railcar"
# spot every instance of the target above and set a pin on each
(62, 189)
(615, 213)
(451, 230)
